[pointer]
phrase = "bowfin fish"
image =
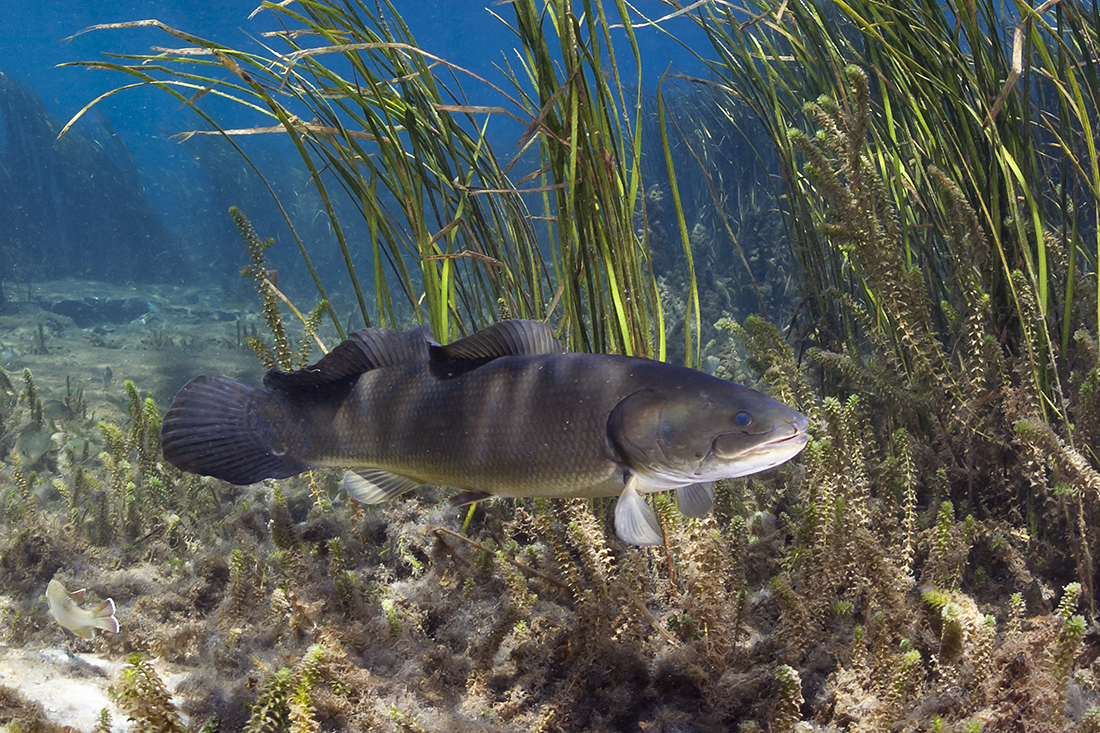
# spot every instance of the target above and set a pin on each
(66, 609)
(502, 412)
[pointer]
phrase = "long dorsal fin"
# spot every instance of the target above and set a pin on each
(369, 348)
(506, 338)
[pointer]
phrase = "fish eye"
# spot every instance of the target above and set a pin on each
(742, 418)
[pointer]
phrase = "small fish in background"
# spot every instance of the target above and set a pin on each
(66, 610)
(502, 412)
(8, 355)
(56, 410)
(34, 443)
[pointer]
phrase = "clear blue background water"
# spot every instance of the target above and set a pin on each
(37, 36)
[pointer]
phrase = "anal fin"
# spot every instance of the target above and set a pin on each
(468, 497)
(635, 521)
(375, 486)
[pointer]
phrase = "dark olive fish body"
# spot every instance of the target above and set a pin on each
(502, 412)
(515, 426)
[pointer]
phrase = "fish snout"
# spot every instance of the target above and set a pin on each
(792, 432)
(788, 437)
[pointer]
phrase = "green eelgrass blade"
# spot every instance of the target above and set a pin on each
(393, 128)
(692, 315)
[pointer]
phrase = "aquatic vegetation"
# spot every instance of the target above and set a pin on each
(104, 724)
(143, 697)
(544, 616)
(451, 234)
(270, 712)
(286, 702)
(899, 364)
(1035, 207)
(943, 261)
(790, 693)
(257, 271)
(729, 202)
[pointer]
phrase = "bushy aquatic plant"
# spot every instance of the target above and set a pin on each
(270, 713)
(257, 271)
(143, 697)
(942, 264)
(790, 699)
(285, 702)
(989, 79)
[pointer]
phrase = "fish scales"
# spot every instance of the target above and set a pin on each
(516, 426)
(501, 412)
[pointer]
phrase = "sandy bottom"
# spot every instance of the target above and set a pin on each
(185, 332)
(70, 687)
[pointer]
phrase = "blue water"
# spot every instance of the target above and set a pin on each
(187, 219)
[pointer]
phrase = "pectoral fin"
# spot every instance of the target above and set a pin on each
(635, 522)
(695, 500)
(375, 487)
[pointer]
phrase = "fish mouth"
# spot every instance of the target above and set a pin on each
(796, 439)
(770, 451)
(787, 445)
(763, 442)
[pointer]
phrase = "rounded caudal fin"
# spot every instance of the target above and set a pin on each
(219, 427)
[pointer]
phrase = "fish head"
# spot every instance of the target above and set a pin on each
(704, 430)
(764, 436)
